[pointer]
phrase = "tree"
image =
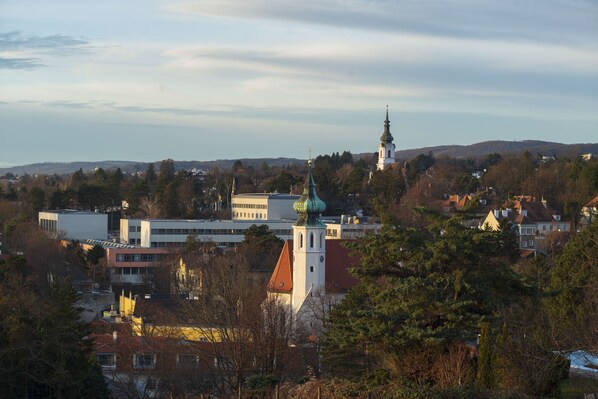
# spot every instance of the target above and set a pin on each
(37, 200)
(248, 333)
(260, 247)
(43, 349)
(573, 304)
(485, 376)
(420, 290)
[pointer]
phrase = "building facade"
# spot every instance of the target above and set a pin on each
(74, 225)
(266, 206)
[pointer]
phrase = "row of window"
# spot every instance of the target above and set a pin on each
(139, 257)
(249, 215)
(311, 240)
(526, 244)
(162, 244)
(249, 206)
(187, 232)
(148, 360)
(528, 231)
(132, 270)
(134, 229)
(331, 233)
(48, 225)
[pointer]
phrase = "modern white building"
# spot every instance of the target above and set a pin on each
(74, 225)
(162, 233)
(266, 206)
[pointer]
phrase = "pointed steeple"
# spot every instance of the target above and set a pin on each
(386, 136)
(309, 206)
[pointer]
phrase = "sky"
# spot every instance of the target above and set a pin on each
(225, 79)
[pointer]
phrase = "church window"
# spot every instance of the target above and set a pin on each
(389, 153)
(321, 240)
(380, 153)
(311, 240)
(300, 240)
(311, 269)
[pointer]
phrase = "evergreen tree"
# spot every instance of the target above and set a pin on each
(421, 289)
(485, 375)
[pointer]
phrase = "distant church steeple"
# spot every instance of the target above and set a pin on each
(386, 150)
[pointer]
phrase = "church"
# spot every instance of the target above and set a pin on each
(310, 268)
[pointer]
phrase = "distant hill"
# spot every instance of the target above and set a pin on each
(62, 168)
(477, 150)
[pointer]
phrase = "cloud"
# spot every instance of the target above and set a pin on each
(20, 51)
(54, 44)
(20, 63)
(552, 20)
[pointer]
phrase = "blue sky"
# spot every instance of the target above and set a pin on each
(203, 80)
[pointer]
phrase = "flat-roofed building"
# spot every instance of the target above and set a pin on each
(130, 231)
(160, 233)
(266, 206)
(74, 225)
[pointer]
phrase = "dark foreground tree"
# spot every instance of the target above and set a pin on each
(44, 351)
(419, 292)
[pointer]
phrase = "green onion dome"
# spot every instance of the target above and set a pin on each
(309, 206)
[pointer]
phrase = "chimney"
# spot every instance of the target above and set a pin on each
(114, 335)
(544, 203)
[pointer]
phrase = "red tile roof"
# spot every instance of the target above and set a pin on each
(593, 202)
(338, 260)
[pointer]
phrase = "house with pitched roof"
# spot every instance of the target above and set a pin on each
(533, 220)
(589, 212)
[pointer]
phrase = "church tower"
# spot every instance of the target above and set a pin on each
(309, 245)
(386, 150)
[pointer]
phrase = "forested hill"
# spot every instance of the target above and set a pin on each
(455, 151)
(501, 147)
(61, 168)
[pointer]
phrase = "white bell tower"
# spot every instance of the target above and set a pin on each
(309, 245)
(386, 149)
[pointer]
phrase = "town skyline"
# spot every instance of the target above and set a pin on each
(157, 80)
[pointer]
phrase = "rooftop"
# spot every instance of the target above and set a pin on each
(72, 212)
(274, 196)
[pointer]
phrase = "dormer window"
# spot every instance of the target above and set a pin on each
(557, 218)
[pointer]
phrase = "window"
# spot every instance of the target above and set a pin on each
(222, 362)
(150, 384)
(311, 240)
(389, 153)
(524, 244)
(531, 243)
(321, 240)
(107, 360)
(300, 240)
(311, 269)
(144, 360)
(187, 360)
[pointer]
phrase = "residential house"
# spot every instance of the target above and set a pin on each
(589, 212)
(534, 221)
